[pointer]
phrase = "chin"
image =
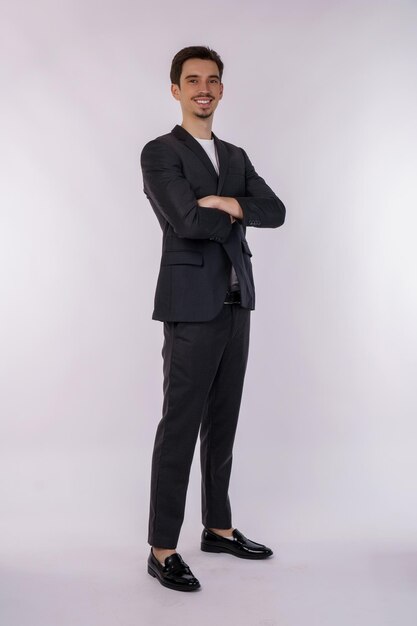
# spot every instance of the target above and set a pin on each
(203, 115)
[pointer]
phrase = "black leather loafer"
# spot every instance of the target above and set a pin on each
(174, 574)
(240, 546)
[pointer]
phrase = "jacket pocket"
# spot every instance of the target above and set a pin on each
(246, 247)
(182, 257)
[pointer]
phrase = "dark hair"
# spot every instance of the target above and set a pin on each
(193, 52)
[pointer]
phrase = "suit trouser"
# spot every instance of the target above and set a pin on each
(204, 366)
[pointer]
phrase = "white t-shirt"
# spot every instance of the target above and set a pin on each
(210, 147)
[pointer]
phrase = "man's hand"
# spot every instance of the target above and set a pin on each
(223, 203)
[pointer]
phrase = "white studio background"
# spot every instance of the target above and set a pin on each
(323, 97)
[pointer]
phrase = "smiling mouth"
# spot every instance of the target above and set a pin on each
(203, 101)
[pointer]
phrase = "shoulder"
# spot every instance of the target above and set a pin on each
(158, 141)
(162, 146)
(230, 147)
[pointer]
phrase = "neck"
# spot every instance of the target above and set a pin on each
(200, 128)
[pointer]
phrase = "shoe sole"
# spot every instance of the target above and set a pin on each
(164, 583)
(241, 555)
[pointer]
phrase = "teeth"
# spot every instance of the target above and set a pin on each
(203, 101)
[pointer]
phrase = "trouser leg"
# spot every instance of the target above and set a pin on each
(219, 424)
(191, 353)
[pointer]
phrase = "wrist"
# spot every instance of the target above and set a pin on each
(234, 208)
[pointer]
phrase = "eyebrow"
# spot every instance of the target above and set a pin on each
(197, 75)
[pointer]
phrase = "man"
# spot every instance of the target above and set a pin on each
(204, 192)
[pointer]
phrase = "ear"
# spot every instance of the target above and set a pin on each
(175, 91)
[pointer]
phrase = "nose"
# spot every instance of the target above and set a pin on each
(208, 86)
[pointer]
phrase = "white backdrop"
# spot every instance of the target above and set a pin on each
(323, 97)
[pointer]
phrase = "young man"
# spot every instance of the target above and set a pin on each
(204, 192)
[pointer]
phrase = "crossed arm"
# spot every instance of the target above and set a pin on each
(209, 217)
(223, 203)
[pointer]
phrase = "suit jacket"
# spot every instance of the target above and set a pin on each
(199, 244)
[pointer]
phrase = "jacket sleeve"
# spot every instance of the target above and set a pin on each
(166, 187)
(261, 206)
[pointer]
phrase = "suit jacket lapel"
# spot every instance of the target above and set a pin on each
(199, 151)
(223, 162)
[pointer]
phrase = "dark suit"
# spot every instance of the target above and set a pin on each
(199, 243)
(205, 341)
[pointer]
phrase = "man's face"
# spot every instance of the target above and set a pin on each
(199, 82)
